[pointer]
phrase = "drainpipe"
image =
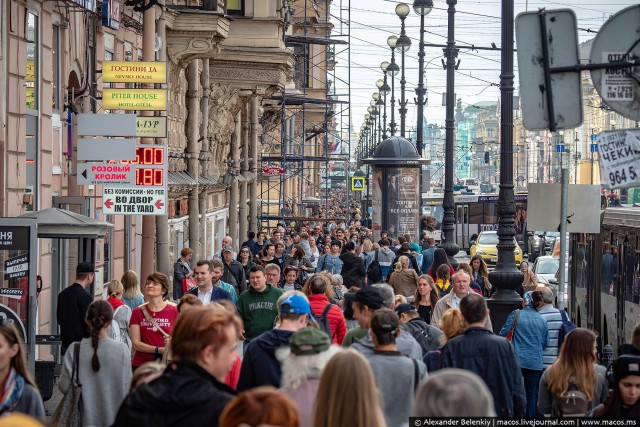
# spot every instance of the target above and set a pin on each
(3, 107)
(204, 152)
(193, 152)
(244, 167)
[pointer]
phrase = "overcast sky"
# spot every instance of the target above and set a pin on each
(476, 23)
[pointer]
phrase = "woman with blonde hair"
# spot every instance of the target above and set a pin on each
(404, 280)
(575, 369)
(426, 297)
(348, 395)
(131, 296)
(121, 312)
(452, 325)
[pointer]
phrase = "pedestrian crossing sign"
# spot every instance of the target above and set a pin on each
(357, 183)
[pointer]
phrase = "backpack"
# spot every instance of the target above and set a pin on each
(114, 331)
(420, 335)
(374, 272)
(323, 321)
(573, 403)
(567, 326)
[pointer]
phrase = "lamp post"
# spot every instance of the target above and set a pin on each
(421, 8)
(506, 276)
(384, 89)
(393, 69)
(448, 220)
(378, 100)
(404, 44)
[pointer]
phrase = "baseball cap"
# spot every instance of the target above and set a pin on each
(295, 304)
(85, 267)
(371, 297)
(227, 249)
(403, 308)
(309, 341)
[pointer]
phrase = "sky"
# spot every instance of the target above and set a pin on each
(476, 23)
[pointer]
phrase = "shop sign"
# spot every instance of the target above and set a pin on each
(151, 127)
(134, 99)
(134, 72)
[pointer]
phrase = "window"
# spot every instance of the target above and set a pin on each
(235, 7)
(301, 66)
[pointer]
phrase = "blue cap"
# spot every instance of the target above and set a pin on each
(295, 304)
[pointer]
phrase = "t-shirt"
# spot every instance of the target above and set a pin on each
(148, 332)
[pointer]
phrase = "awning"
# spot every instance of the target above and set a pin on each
(58, 223)
(181, 178)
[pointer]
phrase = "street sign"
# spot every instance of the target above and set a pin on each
(151, 127)
(134, 72)
(134, 99)
(583, 207)
(594, 136)
(273, 170)
(594, 148)
(562, 37)
(559, 148)
(106, 125)
(617, 40)
(134, 201)
(619, 158)
(357, 183)
(101, 149)
(105, 173)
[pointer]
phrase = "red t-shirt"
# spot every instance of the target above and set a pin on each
(148, 332)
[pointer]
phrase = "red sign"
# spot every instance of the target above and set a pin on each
(273, 170)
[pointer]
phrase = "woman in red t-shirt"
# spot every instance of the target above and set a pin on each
(149, 342)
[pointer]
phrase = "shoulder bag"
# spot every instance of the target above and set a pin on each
(166, 355)
(509, 336)
(69, 411)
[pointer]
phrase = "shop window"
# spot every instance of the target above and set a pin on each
(31, 88)
(235, 7)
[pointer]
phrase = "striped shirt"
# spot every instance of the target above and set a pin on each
(554, 322)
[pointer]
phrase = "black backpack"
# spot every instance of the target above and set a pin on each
(323, 321)
(419, 334)
(374, 272)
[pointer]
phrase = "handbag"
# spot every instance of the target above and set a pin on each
(69, 411)
(166, 354)
(509, 335)
(188, 284)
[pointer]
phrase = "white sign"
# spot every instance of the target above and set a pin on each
(106, 173)
(583, 207)
(134, 201)
(101, 149)
(619, 158)
(617, 84)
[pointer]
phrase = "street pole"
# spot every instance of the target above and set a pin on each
(403, 43)
(564, 196)
(393, 70)
(448, 222)
(506, 276)
(422, 8)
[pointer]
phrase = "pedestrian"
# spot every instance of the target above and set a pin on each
(443, 280)
(427, 254)
(490, 356)
(347, 394)
(190, 392)
(314, 252)
(366, 253)
(216, 276)
(365, 302)
(451, 325)
(352, 272)
(339, 289)
(267, 255)
(121, 312)
(481, 275)
(205, 290)
(460, 289)
(262, 406)
(385, 258)
(182, 270)
(73, 303)
(405, 250)
(426, 297)
(102, 368)
(624, 398)
(250, 242)
(280, 253)
(323, 307)
(257, 305)
(530, 281)
(300, 261)
(148, 371)
(273, 275)
(452, 393)
(575, 369)
(475, 286)
(426, 335)
(416, 251)
(131, 296)
(258, 244)
(331, 262)
(152, 323)
(404, 280)
(20, 392)
(187, 301)
(245, 259)
(397, 376)
(530, 338)
(233, 271)
(439, 257)
(554, 323)
(303, 361)
(290, 282)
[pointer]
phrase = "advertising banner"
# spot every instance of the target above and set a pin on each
(403, 196)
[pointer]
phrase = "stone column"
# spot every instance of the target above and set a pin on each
(233, 170)
(193, 152)
(255, 129)
(204, 152)
(244, 168)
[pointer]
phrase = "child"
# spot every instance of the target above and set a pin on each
(443, 277)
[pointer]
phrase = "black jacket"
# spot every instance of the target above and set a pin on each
(73, 303)
(493, 358)
(184, 395)
(234, 275)
(427, 336)
(353, 272)
(259, 365)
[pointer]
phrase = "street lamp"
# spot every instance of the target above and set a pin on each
(384, 89)
(378, 100)
(392, 69)
(404, 44)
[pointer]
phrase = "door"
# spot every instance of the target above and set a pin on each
(462, 226)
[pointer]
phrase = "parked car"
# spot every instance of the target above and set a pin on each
(545, 268)
(485, 245)
(535, 244)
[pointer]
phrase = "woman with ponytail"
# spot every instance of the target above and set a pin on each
(103, 368)
(121, 313)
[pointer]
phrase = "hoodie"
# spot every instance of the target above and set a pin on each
(258, 310)
(260, 366)
(353, 272)
(405, 343)
(184, 395)
(385, 258)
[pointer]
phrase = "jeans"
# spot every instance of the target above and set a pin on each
(531, 384)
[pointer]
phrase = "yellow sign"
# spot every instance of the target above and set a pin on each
(151, 127)
(134, 72)
(357, 183)
(134, 99)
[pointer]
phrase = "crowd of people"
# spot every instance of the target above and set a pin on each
(320, 326)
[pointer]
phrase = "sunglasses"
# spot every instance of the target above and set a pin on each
(244, 252)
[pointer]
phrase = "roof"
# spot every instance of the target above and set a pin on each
(395, 151)
(60, 223)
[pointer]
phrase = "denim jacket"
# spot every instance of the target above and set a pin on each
(530, 337)
(330, 264)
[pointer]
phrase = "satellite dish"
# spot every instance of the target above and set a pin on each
(617, 40)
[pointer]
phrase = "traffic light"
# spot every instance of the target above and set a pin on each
(486, 157)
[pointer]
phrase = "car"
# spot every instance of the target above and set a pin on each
(535, 245)
(485, 246)
(549, 239)
(545, 268)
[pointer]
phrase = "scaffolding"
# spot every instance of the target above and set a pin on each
(305, 159)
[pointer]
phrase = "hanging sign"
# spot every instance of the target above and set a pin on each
(134, 72)
(151, 127)
(619, 158)
(134, 201)
(134, 99)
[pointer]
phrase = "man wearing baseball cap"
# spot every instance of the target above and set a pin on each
(260, 365)
(367, 300)
(73, 303)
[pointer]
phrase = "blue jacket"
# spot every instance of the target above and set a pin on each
(427, 259)
(494, 360)
(216, 293)
(530, 337)
(330, 264)
(259, 365)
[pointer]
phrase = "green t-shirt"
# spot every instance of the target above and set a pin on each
(258, 310)
(354, 335)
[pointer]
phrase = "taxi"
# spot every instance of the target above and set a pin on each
(486, 246)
